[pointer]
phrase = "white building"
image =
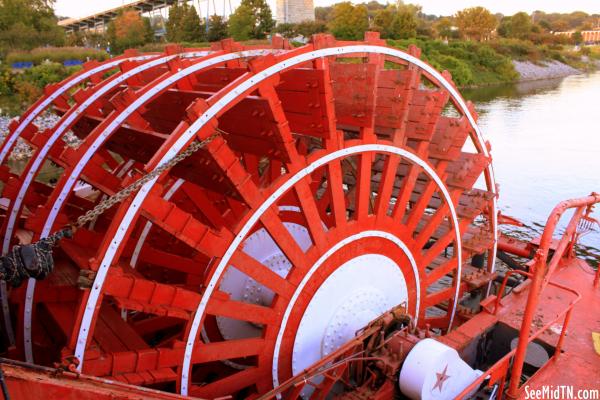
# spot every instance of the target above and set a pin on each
(294, 11)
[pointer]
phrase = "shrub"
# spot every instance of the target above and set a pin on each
(7, 81)
(518, 49)
(28, 85)
(56, 54)
(471, 63)
(461, 73)
(27, 92)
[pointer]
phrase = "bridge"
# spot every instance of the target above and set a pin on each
(99, 21)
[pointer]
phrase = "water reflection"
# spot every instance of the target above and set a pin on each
(483, 95)
(545, 138)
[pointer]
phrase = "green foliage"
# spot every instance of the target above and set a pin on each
(557, 22)
(309, 28)
(217, 28)
(287, 30)
(305, 29)
(192, 29)
(594, 52)
(265, 20)
(46, 73)
(28, 85)
(128, 30)
(323, 13)
(184, 24)
(7, 81)
(470, 63)
(56, 54)
(577, 37)
(251, 20)
(242, 23)
(404, 25)
(25, 24)
(348, 21)
(173, 24)
(396, 23)
(382, 22)
(523, 50)
(461, 73)
(443, 28)
(86, 39)
(476, 23)
(518, 26)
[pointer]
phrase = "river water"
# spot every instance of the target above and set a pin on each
(545, 138)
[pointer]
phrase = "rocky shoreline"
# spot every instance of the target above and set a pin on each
(545, 70)
(22, 151)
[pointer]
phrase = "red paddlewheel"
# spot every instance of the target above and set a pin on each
(349, 178)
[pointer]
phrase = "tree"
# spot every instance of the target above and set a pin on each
(577, 37)
(309, 28)
(383, 22)
(348, 21)
(192, 29)
(323, 13)
(444, 27)
(394, 23)
(242, 23)
(404, 25)
(173, 24)
(476, 23)
(518, 26)
(253, 19)
(27, 24)
(128, 30)
(184, 24)
(287, 30)
(264, 16)
(217, 28)
(414, 9)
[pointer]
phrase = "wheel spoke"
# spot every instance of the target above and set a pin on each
(386, 184)
(336, 193)
(262, 274)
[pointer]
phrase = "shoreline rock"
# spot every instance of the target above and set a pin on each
(22, 151)
(529, 71)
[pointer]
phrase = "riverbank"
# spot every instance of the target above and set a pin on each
(500, 61)
(22, 151)
(529, 71)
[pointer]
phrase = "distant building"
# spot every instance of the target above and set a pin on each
(592, 36)
(294, 11)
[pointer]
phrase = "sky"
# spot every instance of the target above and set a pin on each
(81, 8)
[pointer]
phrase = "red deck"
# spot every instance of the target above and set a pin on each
(579, 365)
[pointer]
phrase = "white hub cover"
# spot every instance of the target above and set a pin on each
(241, 287)
(351, 297)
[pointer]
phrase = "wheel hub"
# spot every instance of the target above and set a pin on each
(353, 295)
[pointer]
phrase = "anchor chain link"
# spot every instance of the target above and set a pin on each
(34, 260)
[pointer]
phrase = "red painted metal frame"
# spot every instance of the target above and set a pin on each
(290, 119)
(539, 278)
(543, 270)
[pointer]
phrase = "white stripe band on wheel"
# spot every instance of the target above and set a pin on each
(10, 140)
(187, 135)
(72, 180)
(72, 116)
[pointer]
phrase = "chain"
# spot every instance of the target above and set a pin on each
(122, 194)
(35, 260)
